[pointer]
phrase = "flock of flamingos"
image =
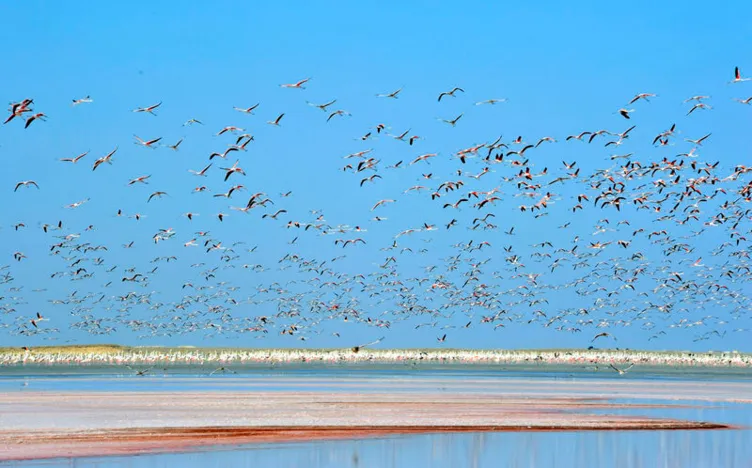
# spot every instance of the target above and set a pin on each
(650, 238)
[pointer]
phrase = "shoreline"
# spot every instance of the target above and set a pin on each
(109, 355)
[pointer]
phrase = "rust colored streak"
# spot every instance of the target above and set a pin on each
(154, 440)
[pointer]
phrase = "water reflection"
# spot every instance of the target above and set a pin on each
(583, 449)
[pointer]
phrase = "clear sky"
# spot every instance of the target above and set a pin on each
(562, 68)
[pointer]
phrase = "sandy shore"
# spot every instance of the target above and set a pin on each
(54, 424)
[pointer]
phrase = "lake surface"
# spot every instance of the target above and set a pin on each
(712, 448)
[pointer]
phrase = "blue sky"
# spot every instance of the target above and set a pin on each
(562, 68)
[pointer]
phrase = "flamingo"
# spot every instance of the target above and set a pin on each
(382, 202)
(148, 109)
(322, 106)
(141, 179)
(232, 170)
(83, 100)
(26, 183)
(738, 76)
(392, 95)
(147, 144)
(76, 159)
(202, 172)
(39, 116)
(298, 85)
(450, 93)
(248, 110)
(277, 120)
(104, 159)
(639, 96)
(156, 194)
(454, 121)
(490, 101)
(424, 157)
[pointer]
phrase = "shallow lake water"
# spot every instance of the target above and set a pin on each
(711, 448)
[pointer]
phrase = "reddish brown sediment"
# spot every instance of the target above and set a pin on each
(55, 424)
(175, 439)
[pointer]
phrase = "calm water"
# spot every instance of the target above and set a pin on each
(325, 378)
(596, 449)
(727, 448)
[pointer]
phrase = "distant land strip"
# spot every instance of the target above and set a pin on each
(171, 356)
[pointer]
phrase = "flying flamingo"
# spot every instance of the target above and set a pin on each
(149, 109)
(450, 93)
(738, 76)
(76, 159)
(298, 85)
